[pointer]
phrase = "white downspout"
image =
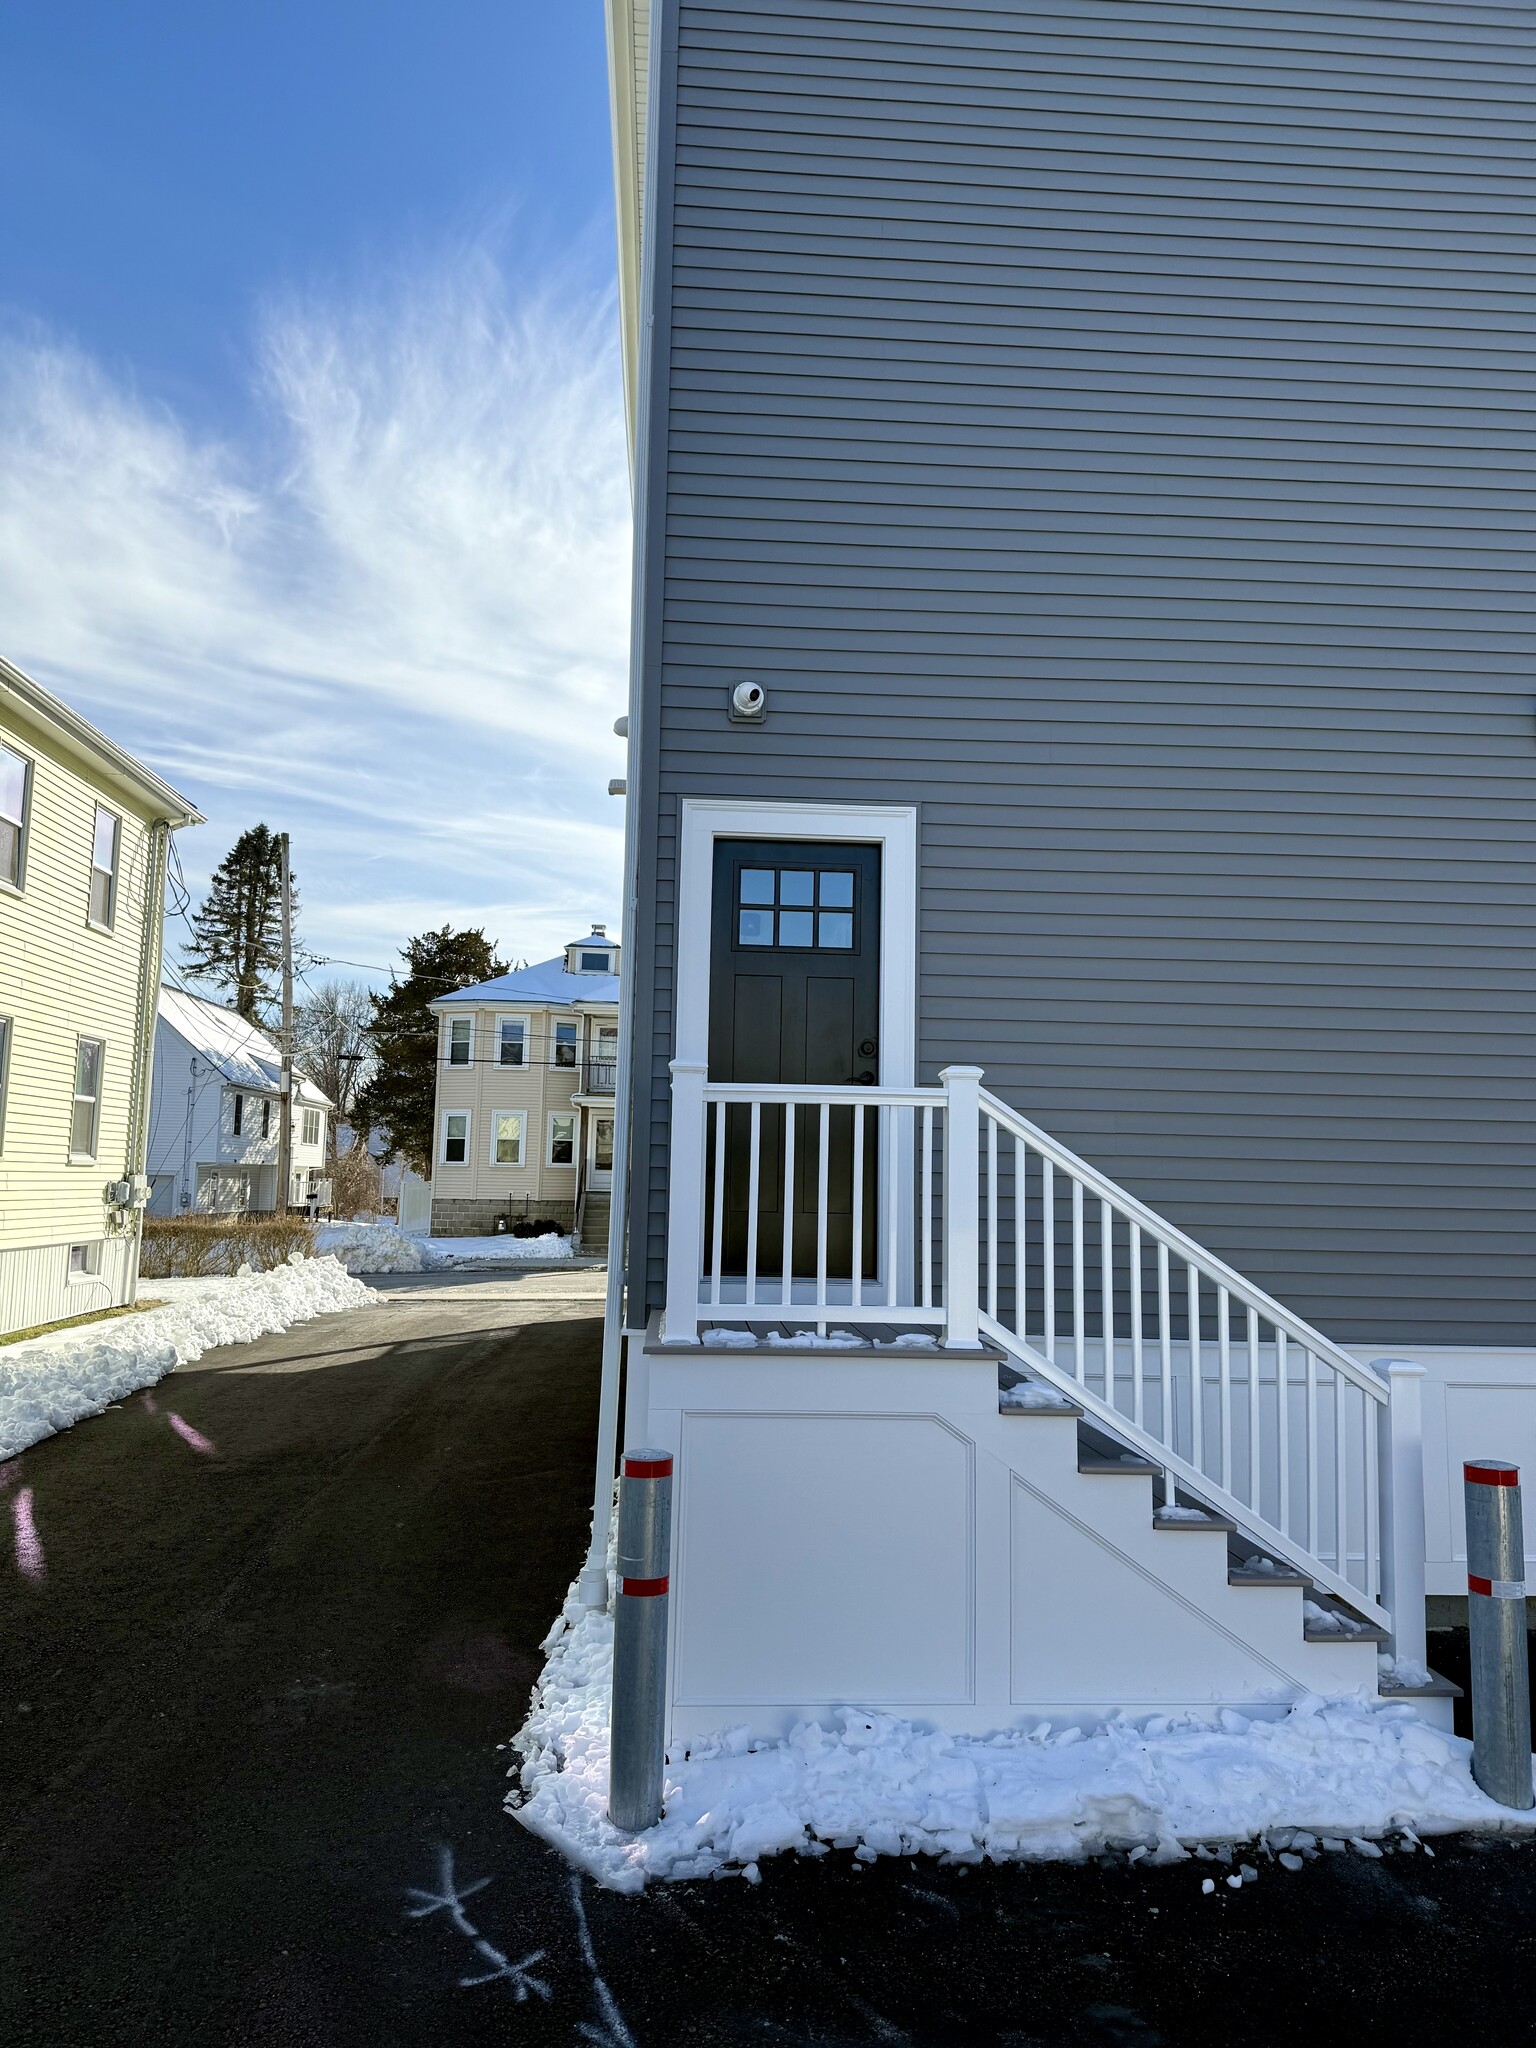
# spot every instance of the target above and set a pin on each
(592, 1585)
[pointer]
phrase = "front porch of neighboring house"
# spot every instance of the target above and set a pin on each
(595, 1137)
(964, 1430)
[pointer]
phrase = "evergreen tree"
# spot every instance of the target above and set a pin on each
(237, 930)
(403, 1035)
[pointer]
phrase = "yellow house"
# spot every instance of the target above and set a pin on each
(524, 1116)
(84, 835)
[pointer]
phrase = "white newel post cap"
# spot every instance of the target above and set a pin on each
(961, 1073)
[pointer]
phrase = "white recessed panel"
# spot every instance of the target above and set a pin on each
(823, 1558)
(1489, 1422)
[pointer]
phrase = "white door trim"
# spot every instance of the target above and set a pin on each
(891, 827)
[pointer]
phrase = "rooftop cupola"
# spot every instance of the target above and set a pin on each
(595, 954)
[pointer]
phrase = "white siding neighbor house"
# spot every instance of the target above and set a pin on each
(217, 1112)
(84, 830)
(523, 1122)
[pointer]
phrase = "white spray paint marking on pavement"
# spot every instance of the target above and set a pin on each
(30, 1561)
(612, 2033)
(449, 1898)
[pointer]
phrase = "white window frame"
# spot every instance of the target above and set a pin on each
(514, 1017)
(319, 1137)
(561, 1116)
(7, 1027)
(469, 1057)
(469, 1130)
(90, 1267)
(23, 824)
(573, 1026)
(84, 1158)
(509, 1165)
(105, 924)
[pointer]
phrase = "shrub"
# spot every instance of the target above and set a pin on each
(193, 1247)
(525, 1228)
(356, 1183)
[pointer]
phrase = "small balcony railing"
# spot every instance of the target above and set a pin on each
(600, 1077)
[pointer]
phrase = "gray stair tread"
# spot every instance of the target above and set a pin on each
(1438, 1688)
(1219, 1523)
(1368, 1633)
(1239, 1576)
(1119, 1468)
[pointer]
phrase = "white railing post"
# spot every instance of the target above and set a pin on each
(962, 1209)
(1402, 1507)
(685, 1203)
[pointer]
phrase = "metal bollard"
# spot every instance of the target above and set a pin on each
(639, 1715)
(1501, 1689)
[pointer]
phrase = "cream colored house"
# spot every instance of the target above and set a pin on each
(523, 1123)
(84, 833)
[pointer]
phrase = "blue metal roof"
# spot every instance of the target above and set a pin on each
(546, 982)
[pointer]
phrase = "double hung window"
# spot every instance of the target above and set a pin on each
(567, 1036)
(512, 1041)
(15, 787)
(461, 1041)
(239, 1114)
(106, 842)
(562, 1140)
(507, 1137)
(311, 1127)
(455, 1137)
(85, 1111)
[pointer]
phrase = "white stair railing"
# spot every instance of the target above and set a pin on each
(1240, 1400)
(942, 1209)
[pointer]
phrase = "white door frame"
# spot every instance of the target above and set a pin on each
(600, 1177)
(891, 827)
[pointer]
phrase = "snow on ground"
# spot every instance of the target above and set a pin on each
(47, 1384)
(379, 1247)
(1329, 1772)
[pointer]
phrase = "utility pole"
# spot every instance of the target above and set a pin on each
(285, 1130)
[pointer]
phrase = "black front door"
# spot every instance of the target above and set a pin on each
(794, 996)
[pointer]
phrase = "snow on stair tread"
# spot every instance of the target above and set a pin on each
(1127, 1467)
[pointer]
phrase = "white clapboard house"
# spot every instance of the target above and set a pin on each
(1081, 805)
(216, 1112)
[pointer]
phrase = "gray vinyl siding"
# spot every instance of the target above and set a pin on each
(1108, 426)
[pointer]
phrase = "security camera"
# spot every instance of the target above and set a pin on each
(749, 704)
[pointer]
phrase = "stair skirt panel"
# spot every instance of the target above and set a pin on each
(869, 1531)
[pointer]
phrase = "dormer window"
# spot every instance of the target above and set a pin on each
(595, 954)
(595, 963)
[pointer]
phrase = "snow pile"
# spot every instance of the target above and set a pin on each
(1031, 1398)
(379, 1247)
(45, 1386)
(503, 1250)
(1343, 1769)
(383, 1248)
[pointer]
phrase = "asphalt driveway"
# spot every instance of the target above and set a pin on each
(251, 1782)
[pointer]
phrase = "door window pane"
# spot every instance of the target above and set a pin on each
(835, 928)
(796, 927)
(796, 886)
(757, 885)
(757, 927)
(836, 890)
(602, 1144)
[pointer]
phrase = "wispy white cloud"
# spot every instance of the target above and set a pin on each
(389, 613)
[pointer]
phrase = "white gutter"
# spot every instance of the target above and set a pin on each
(85, 738)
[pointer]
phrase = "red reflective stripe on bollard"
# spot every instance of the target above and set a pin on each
(1477, 1585)
(647, 1468)
(1492, 1475)
(644, 1589)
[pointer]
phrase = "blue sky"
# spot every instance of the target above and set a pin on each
(311, 462)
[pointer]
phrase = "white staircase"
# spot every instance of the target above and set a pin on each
(1203, 1493)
